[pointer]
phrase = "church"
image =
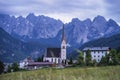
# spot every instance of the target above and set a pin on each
(57, 55)
(52, 56)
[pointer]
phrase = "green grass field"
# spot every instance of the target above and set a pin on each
(93, 73)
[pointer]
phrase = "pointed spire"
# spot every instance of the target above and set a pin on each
(63, 33)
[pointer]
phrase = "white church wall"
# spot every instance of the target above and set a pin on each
(54, 60)
(63, 50)
(48, 59)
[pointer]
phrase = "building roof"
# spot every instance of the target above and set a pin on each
(63, 33)
(39, 63)
(96, 48)
(28, 59)
(53, 52)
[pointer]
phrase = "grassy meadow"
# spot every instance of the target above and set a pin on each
(77, 73)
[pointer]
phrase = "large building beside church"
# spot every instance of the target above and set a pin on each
(57, 55)
(96, 52)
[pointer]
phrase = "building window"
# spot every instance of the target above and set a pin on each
(98, 60)
(52, 60)
(94, 56)
(98, 56)
(98, 51)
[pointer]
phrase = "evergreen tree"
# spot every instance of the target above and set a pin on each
(80, 59)
(104, 60)
(94, 63)
(118, 58)
(9, 68)
(40, 59)
(113, 57)
(88, 61)
(1, 67)
(15, 66)
(71, 60)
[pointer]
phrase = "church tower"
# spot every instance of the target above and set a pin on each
(63, 47)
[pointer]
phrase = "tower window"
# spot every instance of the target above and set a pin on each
(63, 47)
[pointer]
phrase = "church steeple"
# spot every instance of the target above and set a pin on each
(63, 34)
(63, 47)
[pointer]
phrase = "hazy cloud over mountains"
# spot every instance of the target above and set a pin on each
(62, 9)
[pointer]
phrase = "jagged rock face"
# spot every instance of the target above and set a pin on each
(32, 26)
(42, 27)
(80, 32)
(76, 32)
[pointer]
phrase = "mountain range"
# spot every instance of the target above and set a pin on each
(46, 31)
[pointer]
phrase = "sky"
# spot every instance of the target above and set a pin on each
(64, 10)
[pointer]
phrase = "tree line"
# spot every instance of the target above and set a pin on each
(113, 58)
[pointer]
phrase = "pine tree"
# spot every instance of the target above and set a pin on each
(104, 60)
(71, 60)
(9, 68)
(118, 58)
(113, 57)
(40, 59)
(1, 67)
(80, 59)
(88, 58)
(15, 66)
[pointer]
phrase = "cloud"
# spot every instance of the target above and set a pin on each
(62, 9)
(113, 9)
